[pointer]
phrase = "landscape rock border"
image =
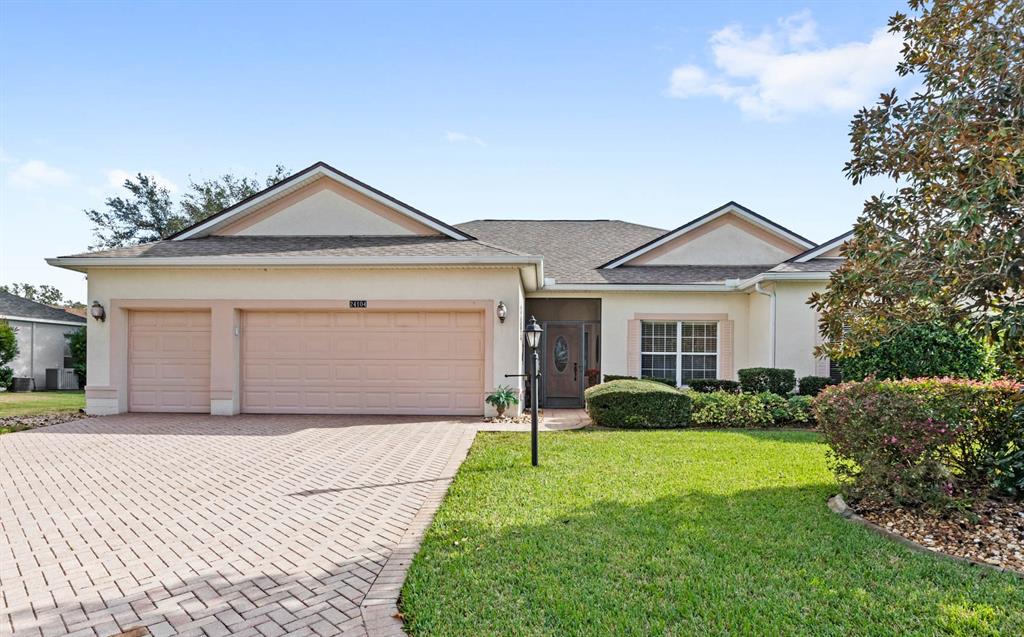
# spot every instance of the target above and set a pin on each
(838, 506)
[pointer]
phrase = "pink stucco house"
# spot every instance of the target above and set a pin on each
(323, 294)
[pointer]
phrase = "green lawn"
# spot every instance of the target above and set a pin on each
(40, 402)
(678, 533)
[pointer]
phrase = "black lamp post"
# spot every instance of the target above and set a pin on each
(532, 333)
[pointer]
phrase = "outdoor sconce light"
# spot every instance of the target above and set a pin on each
(502, 311)
(97, 312)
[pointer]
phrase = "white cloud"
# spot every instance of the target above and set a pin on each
(37, 174)
(786, 70)
(117, 177)
(461, 138)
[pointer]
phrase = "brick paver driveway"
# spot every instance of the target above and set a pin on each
(251, 525)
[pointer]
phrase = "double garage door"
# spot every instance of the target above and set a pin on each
(315, 362)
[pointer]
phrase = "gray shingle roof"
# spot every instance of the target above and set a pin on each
(814, 265)
(573, 251)
(13, 305)
(317, 246)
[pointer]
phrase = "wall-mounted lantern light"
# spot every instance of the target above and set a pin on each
(502, 311)
(97, 312)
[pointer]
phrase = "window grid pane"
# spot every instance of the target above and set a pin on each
(657, 337)
(658, 366)
(697, 366)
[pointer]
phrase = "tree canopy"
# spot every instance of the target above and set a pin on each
(148, 213)
(948, 242)
(46, 294)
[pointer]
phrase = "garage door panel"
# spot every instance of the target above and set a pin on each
(363, 362)
(169, 361)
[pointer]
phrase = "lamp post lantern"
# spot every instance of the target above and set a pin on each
(532, 333)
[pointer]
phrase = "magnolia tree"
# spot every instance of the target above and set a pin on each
(948, 242)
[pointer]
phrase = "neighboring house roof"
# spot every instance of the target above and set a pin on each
(299, 246)
(729, 208)
(301, 178)
(16, 307)
(821, 249)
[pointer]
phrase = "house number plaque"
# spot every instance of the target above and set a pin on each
(356, 304)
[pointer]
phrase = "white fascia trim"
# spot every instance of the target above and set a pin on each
(612, 287)
(320, 171)
(687, 229)
(783, 276)
(825, 247)
(29, 319)
(206, 262)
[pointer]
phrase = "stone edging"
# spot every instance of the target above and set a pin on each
(838, 506)
(379, 607)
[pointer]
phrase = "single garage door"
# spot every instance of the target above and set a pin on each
(363, 362)
(169, 361)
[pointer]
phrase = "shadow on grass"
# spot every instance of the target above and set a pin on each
(768, 561)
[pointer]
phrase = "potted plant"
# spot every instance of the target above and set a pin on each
(501, 398)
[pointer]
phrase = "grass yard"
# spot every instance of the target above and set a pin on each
(678, 533)
(40, 402)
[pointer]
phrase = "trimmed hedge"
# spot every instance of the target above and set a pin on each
(812, 385)
(638, 403)
(610, 377)
(923, 442)
(707, 385)
(754, 380)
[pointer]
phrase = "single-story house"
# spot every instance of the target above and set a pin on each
(322, 294)
(40, 331)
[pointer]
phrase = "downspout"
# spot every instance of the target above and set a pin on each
(771, 320)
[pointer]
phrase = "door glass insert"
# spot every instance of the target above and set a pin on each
(561, 353)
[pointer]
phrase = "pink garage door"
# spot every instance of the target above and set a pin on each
(169, 361)
(363, 362)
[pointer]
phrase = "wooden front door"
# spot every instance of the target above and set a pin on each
(562, 364)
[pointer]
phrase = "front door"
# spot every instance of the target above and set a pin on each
(563, 365)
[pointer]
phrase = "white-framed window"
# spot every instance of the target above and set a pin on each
(679, 351)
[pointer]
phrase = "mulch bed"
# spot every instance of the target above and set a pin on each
(992, 532)
(509, 419)
(22, 423)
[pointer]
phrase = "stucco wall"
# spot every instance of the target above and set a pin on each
(618, 309)
(40, 346)
(796, 326)
(217, 288)
(749, 311)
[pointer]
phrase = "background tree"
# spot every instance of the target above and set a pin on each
(147, 213)
(925, 349)
(46, 294)
(8, 350)
(948, 243)
(77, 342)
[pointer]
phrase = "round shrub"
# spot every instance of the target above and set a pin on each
(637, 403)
(754, 380)
(812, 385)
(800, 410)
(723, 409)
(707, 385)
(916, 351)
(777, 407)
(928, 442)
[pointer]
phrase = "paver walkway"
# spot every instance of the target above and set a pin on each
(198, 525)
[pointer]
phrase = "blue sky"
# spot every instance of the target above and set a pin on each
(652, 113)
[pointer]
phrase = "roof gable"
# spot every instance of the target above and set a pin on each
(321, 200)
(728, 235)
